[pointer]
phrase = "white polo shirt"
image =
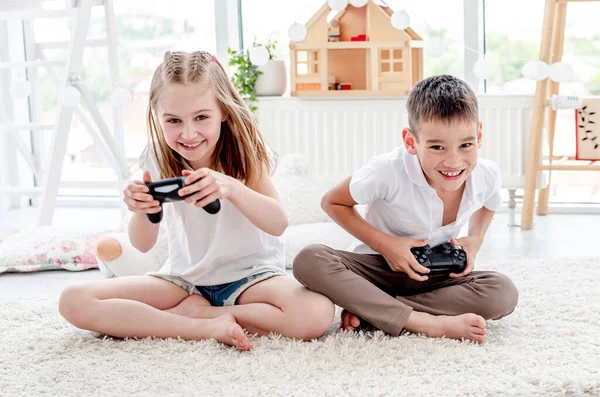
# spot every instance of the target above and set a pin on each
(400, 202)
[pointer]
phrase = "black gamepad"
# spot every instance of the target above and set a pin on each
(443, 258)
(166, 191)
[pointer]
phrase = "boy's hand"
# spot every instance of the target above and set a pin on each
(396, 251)
(471, 246)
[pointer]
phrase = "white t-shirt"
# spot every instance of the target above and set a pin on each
(400, 202)
(207, 249)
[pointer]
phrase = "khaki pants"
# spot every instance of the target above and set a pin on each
(366, 286)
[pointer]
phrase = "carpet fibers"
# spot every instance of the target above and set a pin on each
(549, 346)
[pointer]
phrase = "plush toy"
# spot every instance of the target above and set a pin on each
(117, 257)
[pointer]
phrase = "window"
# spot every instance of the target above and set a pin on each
(308, 62)
(509, 49)
(391, 60)
(145, 30)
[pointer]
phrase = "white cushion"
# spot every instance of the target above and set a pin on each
(300, 191)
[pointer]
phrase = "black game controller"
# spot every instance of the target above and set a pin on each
(167, 191)
(443, 258)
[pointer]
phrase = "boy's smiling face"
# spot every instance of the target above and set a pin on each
(448, 152)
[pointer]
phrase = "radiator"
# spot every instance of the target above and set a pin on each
(340, 135)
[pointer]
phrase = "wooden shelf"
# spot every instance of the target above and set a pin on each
(551, 51)
(347, 93)
(355, 44)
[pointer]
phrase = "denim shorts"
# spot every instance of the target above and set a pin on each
(222, 294)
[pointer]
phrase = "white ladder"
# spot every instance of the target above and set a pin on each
(50, 171)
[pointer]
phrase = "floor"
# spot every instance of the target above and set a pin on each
(555, 235)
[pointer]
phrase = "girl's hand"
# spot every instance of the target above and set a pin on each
(137, 198)
(206, 186)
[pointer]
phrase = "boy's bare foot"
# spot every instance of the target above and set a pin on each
(465, 326)
(190, 306)
(225, 330)
(349, 321)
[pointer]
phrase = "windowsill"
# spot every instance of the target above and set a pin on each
(287, 97)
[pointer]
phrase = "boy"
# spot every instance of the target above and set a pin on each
(420, 194)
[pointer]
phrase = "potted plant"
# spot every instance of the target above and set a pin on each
(251, 80)
(273, 79)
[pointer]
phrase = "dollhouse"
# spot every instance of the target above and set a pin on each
(355, 52)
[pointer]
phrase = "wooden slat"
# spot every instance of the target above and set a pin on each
(21, 191)
(32, 13)
(571, 167)
(52, 45)
(576, 1)
(30, 64)
(26, 127)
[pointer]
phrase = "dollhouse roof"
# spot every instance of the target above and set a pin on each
(331, 15)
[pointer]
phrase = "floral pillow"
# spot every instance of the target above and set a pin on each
(47, 249)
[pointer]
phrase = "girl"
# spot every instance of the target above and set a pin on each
(225, 271)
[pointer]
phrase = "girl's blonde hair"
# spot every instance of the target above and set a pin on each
(240, 151)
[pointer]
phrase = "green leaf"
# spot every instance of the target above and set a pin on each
(246, 73)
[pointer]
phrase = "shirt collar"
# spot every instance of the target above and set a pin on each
(414, 170)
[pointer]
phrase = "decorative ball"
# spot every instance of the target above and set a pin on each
(337, 5)
(358, 3)
(20, 88)
(435, 48)
(536, 70)
(258, 55)
(72, 97)
(400, 20)
(561, 72)
(482, 69)
(297, 31)
(572, 75)
(120, 96)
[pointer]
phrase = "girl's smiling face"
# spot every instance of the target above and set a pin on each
(190, 118)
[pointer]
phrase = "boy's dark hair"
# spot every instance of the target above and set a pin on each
(441, 98)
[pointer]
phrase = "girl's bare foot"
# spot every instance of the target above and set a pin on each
(223, 328)
(465, 326)
(226, 330)
(190, 307)
(349, 321)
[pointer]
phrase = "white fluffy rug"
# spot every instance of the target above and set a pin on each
(548, 347)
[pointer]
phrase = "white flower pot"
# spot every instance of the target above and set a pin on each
(273, 80)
